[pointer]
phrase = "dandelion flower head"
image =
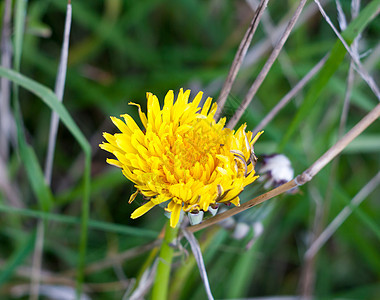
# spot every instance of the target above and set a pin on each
(182, 156)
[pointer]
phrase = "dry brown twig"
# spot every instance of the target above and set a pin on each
(301, 179)
(263, 73)
(240, 54)
(264, 46)
(289, 96)
(283, 58)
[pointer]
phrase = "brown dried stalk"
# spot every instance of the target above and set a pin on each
(264, 46)
(240, 54)
(289, 96)
(272, 58)
(301, 179)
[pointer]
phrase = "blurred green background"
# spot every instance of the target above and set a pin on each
(119, 50)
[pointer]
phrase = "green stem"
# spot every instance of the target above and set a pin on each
(161, 283)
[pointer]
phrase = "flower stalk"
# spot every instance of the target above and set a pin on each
(161, 282)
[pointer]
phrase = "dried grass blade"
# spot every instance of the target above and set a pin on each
(199, 259)
(263, 73)
(240, 54)
(59, 89)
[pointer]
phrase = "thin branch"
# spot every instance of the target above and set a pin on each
(340, 145)
(262, 47)
(306, 176)
(272, 58)
(359, 67)
(240, 54)
(286, 99)
(343, 215)
(283, 57)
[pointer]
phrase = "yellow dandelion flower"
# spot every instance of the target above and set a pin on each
(182, 156)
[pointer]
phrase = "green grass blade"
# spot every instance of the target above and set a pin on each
(104, 226)
(35, 175)
(19, 24)
(331, 66)
(17, 258)
(50, 99)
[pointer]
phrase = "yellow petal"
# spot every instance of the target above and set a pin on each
(249, 179)
(131, 123)
(114, 162)
(206, 106)
(168, 105)
(154, 110)
(142, 210)
(133, 196)
(197, 99)
(236, 201)
(142, 115)
(110, 138)
(174, 217)
(256, 137)
(109, 147)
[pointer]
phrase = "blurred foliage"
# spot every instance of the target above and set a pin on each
(119, 50)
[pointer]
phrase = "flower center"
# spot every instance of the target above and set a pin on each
(198, 144)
